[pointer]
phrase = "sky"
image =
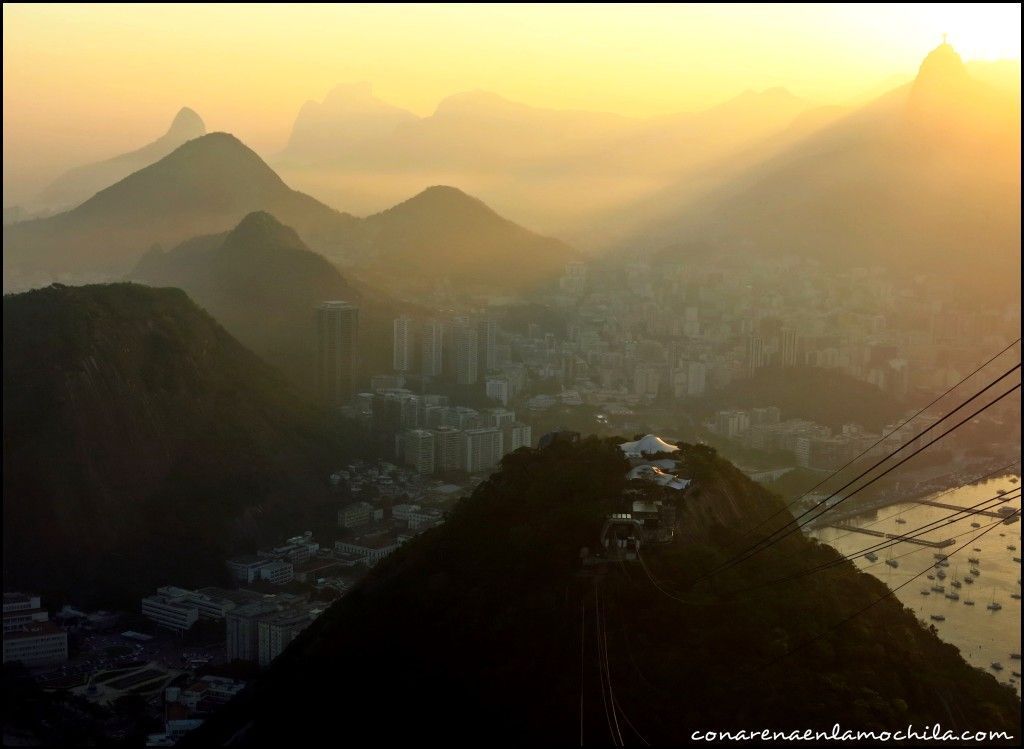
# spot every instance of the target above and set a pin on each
(83, 82)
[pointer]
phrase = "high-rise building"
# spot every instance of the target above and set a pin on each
(404, 344)
(696, 379)
(756, 354)
(431, 349)
(418, 450)
(498, 389)
(465, 343)
(789, 347)
(483, 449)
(516, 435)
(487, 343)
(337, 327)
(448, 448)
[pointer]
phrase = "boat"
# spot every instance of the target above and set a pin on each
(974, 560)
(1011, 547)
(942, 563)
(871, 556)
(975, 525)
(969, 580)
(941, 575)
(997, 666)
(1017, 560)
(938, 617)
(1015, 596)
(975, 571)
(1001, 492)
(994, 606)
(1016, 674)
(892, 563)
(1014, 656)
(956, 584)
(931, 577)
(901, 521)
(953, 596)
(977, 549)
(1014, 480)
(968, 602)
(939, 588)
(926, 592)
(940, 556)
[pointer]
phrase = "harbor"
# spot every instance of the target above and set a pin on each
(972, 595)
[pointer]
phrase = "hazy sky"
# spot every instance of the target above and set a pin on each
(87, 81)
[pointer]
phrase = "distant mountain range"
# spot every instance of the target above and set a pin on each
(553, 168)
(209, 184)
(924, 179)
(81, 183)
(143, 443)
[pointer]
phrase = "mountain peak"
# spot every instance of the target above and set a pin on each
(942, 64)
(186, 125)
(442, 199)
(260, 230)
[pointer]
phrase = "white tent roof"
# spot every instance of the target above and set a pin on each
(649, 444)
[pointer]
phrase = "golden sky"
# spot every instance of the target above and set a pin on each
(87, 81)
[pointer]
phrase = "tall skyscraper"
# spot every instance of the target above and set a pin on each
(487, 342)
(404, 341)
(337, 329)
(756, 355)
(465, 343)
(790, 347)
(431, 349)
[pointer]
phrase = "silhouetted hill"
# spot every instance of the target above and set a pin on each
(262, 283)
(510, 640)
(142, 443)
(826, 396)
(83, 182)
(925, 179)
(206, 186)
(442, 233)
(209, 184)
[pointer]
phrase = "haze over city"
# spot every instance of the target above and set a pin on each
(619, 374)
